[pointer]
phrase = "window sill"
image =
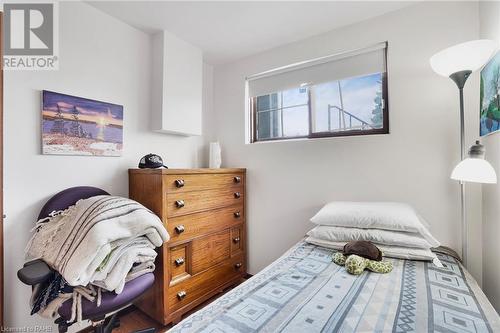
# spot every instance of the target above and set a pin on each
(382, 132)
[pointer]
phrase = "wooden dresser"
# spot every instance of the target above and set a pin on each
(204, 212)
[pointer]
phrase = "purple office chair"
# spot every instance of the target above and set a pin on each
(37, 271)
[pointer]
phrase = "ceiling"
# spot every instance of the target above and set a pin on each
(230, 30)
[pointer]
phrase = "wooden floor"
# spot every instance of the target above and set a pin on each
(133, 319)
(136, 320)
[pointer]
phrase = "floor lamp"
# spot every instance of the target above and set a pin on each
(457, 63)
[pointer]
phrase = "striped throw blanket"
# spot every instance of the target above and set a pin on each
(103, 240)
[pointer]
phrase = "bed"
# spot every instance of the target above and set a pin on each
(304, 291)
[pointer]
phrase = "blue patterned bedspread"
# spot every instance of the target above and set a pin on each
(304, 291)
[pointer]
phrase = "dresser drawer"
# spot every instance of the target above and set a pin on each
(191, 289)
(190, 226)
(179, 204)
(185, 183)
(210, 250)
(178, 260)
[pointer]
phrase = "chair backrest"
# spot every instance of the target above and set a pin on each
(69, 197)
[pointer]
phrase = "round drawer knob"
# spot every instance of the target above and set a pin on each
(237, 215)
(179, 261)
(179, 183)
(179, 229)
(237, 179)
(181, 295)
(236, 240)
(238, 265)
(237, 195)
(179, 203)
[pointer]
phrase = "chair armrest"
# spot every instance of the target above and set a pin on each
(34, 272)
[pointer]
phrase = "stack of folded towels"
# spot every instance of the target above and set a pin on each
(395, 228)
(99, 243)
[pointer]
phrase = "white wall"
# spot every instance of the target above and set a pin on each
(489, 16)
(105, 59)
(289, 181)
(100, 58)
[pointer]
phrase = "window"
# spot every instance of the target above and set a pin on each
(337, 95)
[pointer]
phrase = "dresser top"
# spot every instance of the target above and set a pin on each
(164, 171)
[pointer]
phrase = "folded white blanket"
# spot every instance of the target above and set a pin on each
(98, 240)
(378, 236)
(398, 252)
(120, 264)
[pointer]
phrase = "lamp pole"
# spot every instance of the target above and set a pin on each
(460, 78)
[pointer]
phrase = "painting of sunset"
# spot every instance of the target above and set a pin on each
(79, 126)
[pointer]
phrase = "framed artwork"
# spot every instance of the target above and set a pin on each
(79, 126)
(489, 114)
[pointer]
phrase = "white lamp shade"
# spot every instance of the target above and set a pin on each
(475, 170)
(466, 56)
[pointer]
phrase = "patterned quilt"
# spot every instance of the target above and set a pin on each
(304, 291)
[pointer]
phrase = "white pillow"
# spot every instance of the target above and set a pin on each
(373, 215)
(388, 251)
(378, 236)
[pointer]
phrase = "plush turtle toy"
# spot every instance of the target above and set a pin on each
(360, 255)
